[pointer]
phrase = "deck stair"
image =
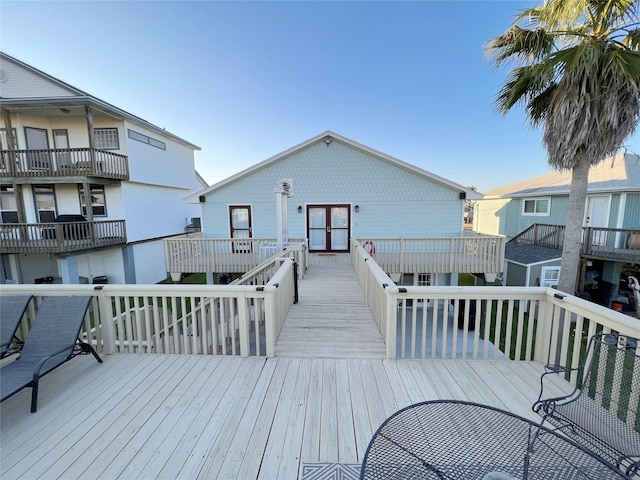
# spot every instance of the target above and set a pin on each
(331, 319)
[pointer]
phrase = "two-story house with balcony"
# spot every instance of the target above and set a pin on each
(533, 213)
(87, 190)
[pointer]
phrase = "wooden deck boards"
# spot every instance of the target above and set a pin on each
(182, 416)
(331, 319)
(206, 417)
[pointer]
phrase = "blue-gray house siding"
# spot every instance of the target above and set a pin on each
(394, 199)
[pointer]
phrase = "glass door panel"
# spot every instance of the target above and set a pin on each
(339, 228)
(240, 220)
(317, 228)
(37, 140)
(61, 142)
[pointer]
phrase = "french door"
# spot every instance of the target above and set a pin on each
(328, 228)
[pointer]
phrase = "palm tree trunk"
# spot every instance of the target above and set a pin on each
(572, 245)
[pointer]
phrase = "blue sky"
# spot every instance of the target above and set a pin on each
(247, 80)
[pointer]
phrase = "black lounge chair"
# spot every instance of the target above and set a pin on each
(52, 341)
(12, 309)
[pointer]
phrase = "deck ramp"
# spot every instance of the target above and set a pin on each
(331, 319)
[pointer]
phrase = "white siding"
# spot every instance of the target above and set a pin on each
(149, 262)
(171, 167)
(154, 211)
(21, 83)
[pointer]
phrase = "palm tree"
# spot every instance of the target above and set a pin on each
(577, 73)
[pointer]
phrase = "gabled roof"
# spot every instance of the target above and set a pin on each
(78, 97)
(620, 173)
(329, 135)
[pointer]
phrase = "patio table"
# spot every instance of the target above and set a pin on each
(448, 439)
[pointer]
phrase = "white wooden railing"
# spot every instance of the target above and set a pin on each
(241, 319)
(511, 323)
(468, 254)
(192, 255)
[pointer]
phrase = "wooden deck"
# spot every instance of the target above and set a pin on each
(195, 416)
(332, 318)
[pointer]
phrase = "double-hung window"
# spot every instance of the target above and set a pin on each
(98, 200)
(536, 206)
(45, 200)
(8, 208)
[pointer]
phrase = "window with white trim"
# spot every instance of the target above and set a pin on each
(106, 138)
(536, 206)
(45, 200)
(8, 207)
(98, 200)
(424, 279)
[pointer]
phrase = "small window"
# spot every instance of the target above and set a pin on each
(536, 206)
(106, 138)
(8, 208)
(98, 200)
(424, 279)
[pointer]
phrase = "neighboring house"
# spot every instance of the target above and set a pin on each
(87, 190)
(534, 212)
(340, 190)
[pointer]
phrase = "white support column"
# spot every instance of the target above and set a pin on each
(68, 270)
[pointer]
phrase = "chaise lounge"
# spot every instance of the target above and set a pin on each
(12, 309)
(52, 341)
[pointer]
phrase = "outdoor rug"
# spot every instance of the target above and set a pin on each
(330, 471)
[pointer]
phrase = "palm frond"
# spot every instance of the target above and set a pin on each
(520, 45)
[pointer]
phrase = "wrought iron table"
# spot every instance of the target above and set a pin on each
(455, 440)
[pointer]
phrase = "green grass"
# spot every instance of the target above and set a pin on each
(193, 279)
(466, 280)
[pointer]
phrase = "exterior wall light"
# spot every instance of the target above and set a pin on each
(357, 208)
(299, 208)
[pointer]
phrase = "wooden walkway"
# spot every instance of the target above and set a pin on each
(331, 319)
(206, 417)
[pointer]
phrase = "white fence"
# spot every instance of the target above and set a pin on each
(242, 319)
(483, 323)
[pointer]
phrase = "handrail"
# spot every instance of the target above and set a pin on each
(61, 237)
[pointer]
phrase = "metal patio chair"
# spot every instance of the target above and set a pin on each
(12, 309)
(603, 414)
(52, 341)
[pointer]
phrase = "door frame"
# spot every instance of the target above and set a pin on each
(328, 207)
(239, 246)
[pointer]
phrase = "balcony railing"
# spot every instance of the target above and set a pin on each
(64, 162)
(468, 254)
(63, 237)
(234, 255)
(604, 243)
(611, 243)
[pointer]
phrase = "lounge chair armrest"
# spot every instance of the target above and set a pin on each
(43, 360)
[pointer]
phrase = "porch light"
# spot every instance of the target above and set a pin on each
(299, 208)
(357, 208)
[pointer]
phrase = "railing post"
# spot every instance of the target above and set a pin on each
(243, 324)
(270, 322)
(107, 327)
(391, 322)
